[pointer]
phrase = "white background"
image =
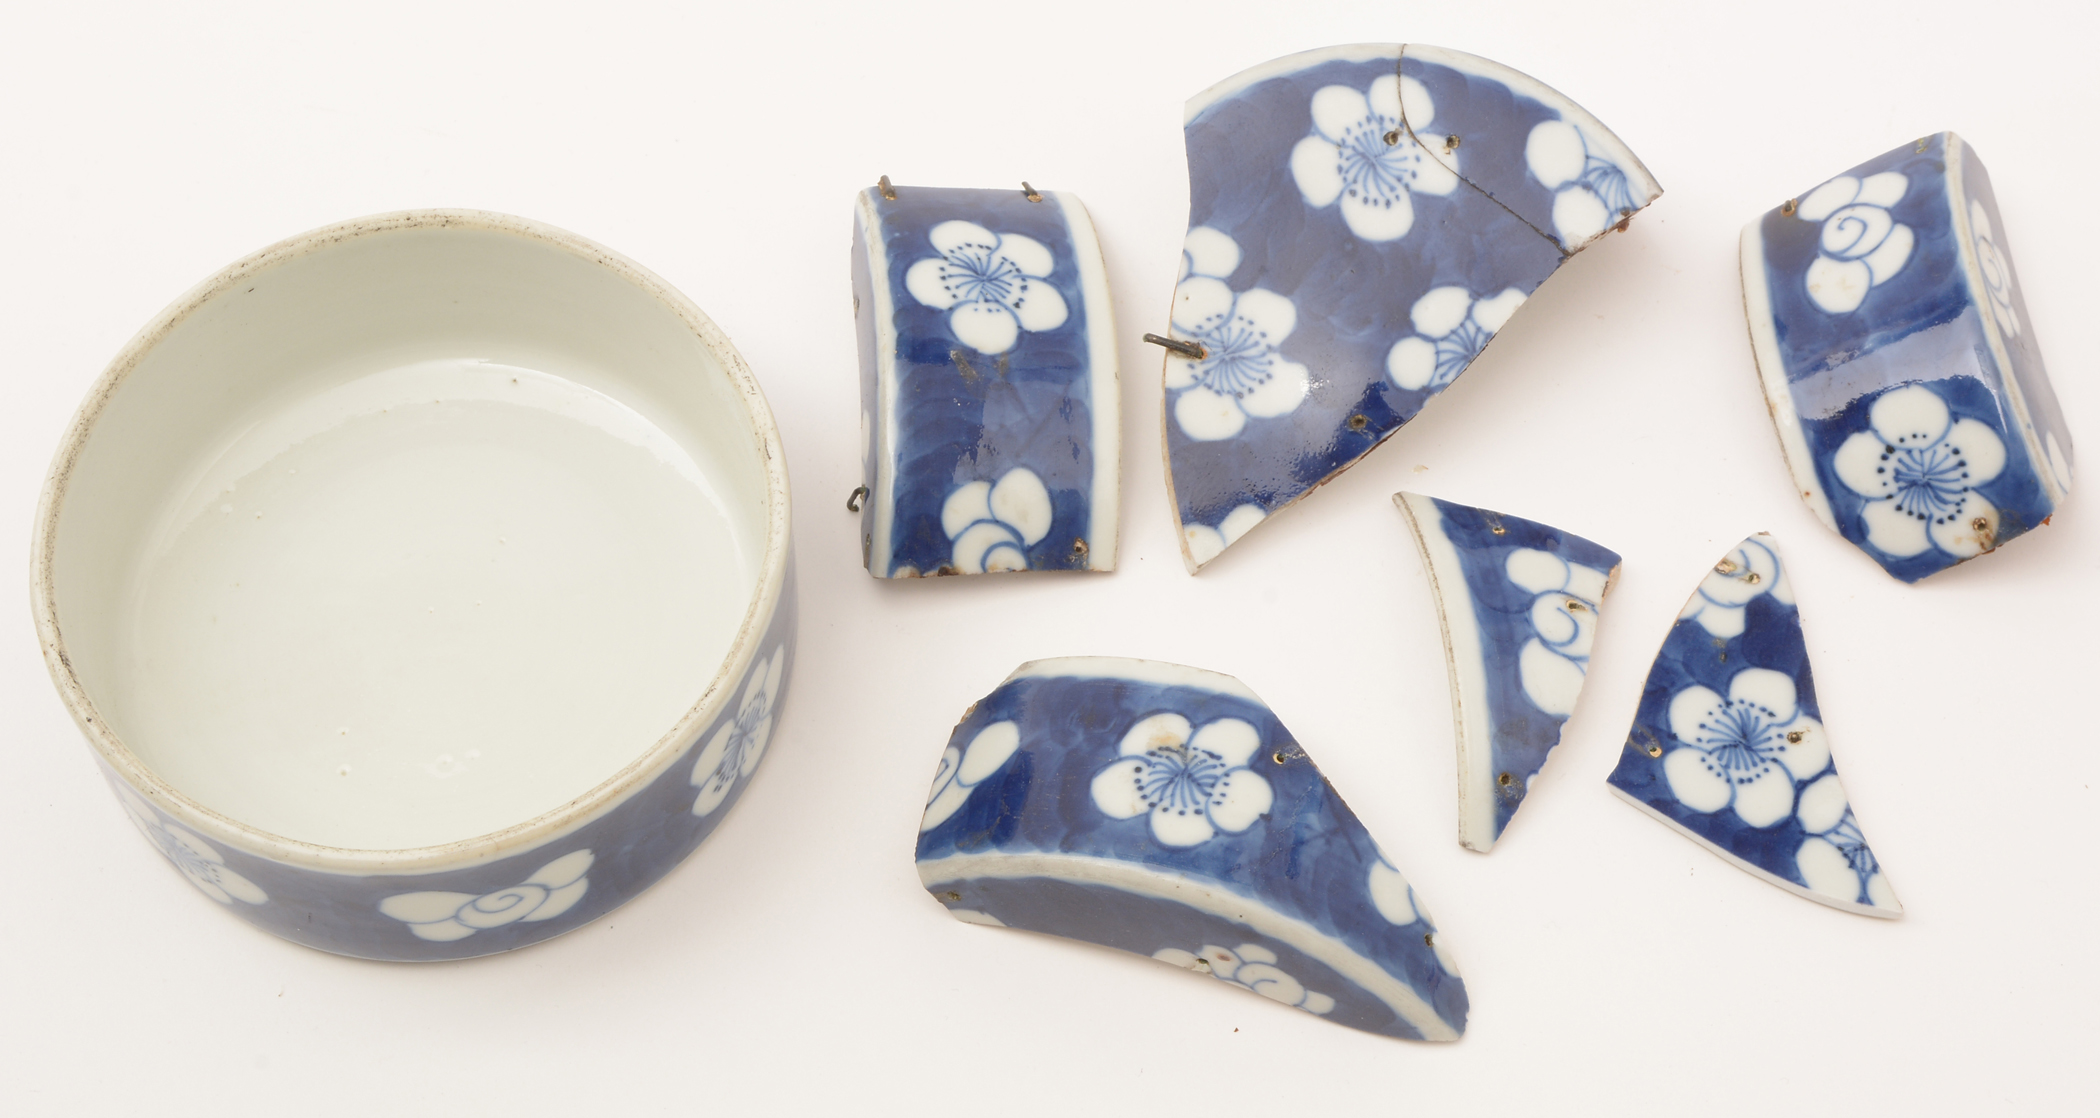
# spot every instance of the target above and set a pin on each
(794, 964)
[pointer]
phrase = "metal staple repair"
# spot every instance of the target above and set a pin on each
(1191, 350)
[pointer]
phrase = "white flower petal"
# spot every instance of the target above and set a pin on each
(1023, 503)
(966, 506)
(1204, 542)
(1039, 306)
(1828, 198)
(205, 882)
(1822, 805)
(1491, 313)
(240, 888)
(1440, 310)
(1838, 286)
(1265, 979)
(1825, 870)
(563, 870)
(1214, 253)
(1587, 583)
(1003, 557)
(1316, 166)
(1206, 416)
(1201, 304)
(973, 548)
(1230, 738)
(1970, 531)
(1027, 254)
(951, 235)
(1317, 1002)
(1335, 108)
(925, 279)
(1431, 176)
(1240, 798)
(988, 751)
(443, 931)
(1383, 97)
(1888, 259)
(1181, 372)
(1165, 730)
(1695, 780)
(1174, 827)
(1771, 690)
(1855, 231)
(950, 800)
(504, 906)
(710, 758)
(1555, 153)
(559, 901)
(1881, 893)
(1239, 521)
(1255, 953)
(1411, 363)
(1390, 894)
(1415, 102)
(1566, 623)
(1979, 447)
(1894, 531)
(1689, 709)
(1536, 571)
(1803, 748)
(988, 328)
(1884, 189)
(1912, 416)
(1578, 215)
(1765, 798)
(1862, 463)
(1718, 620)
(1383, 219)
(1551, 681)
(1273, 315)
(1288, 384)
(1115, 789)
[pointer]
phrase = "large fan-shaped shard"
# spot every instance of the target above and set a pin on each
(1164, 810)
(1728, 745)
(1362, 220)
(1519, 602)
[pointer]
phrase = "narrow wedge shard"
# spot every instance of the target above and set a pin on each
(1519, 603)
(1728, 745)
(1362, 221)
(1165, 811)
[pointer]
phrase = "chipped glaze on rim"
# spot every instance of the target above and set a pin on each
(543, 828)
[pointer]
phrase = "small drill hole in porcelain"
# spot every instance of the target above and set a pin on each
(1575, 606)
(1279, 758)
(1793, 737)
(1392, 137)
(1655, 750)
(1786, 208)
(1505, 780)
(951, 898)
(1429, 939)
(1359, 421)
(1451, 142)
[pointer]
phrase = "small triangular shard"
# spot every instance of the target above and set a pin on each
(1519, 602)
(1728, 745)
(1165, 811)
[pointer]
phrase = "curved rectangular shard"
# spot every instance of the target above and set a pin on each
(1164, 810)
(990, 422)
(1899, 360)
(1728, 746)
(1362, 221)
(1519, 604)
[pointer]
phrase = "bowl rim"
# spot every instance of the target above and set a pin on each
(520, 837)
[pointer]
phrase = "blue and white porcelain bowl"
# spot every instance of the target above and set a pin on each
(422, 583)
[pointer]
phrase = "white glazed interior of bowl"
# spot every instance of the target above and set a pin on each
(410, 537)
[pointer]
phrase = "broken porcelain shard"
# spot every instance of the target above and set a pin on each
(1899, 361)
(1519, 603)
(989, 418)
(1164, 810)
(1728, 744)
(1362, 220)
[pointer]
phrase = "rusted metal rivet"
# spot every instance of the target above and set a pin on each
(1505, 780)
(1079, 547)
(1191, 350)
(1787, 208)
(1793, 737)
(853, 502)
(1029, 192)
(1359, 421)
(1451, 142)
(1392, 137)
(951, 897)
(888, 191)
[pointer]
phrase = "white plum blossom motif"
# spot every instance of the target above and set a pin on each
(1997, 274)
(994, 525)
(1241, 373)
(1590, 193)
(735, 749)
(1748, 572)
(1918, 467)
(1205, 542)
(1252, 966)
(1566, 595)
(1192, 783)
(444, 917)
(196, 858)
(1451, 328)
(962, 770)
(989, 283)
(1862, 244)
(1746, 751)
(1361, 154)
(1395, 900)
(1834, 859)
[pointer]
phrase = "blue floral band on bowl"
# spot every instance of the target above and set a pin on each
(1362, 220)
(989, 409)
(1728, 746)
(1164, 810)
(1899, 360)
(1519, 603)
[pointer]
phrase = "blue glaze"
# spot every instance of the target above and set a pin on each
(1728, 744)
(1883, 311)
(1519, 602)
(612, 857)
(1338, 281)
(1001, 362)
(1222, 834)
